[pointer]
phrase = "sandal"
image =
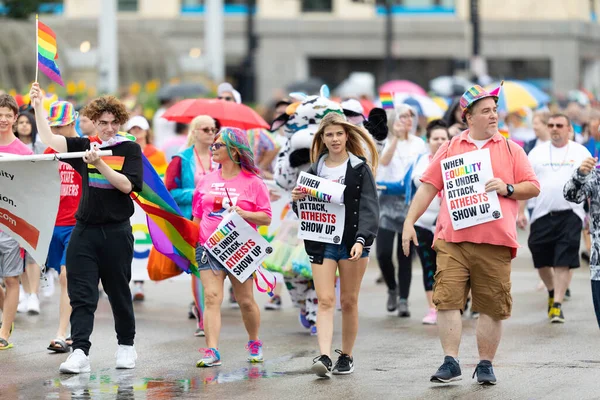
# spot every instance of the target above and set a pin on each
(59, 346)
(5, 345)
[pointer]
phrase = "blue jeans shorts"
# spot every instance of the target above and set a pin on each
(57, 254)
(339, 252)
(206, 260)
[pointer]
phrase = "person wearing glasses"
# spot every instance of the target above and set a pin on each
(556, 224)
(401, 151)
(235, 187)
(226, 92)
(101, 245)
(184, 172)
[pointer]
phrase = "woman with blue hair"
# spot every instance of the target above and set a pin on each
(234, 187)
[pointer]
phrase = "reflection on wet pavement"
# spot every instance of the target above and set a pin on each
(122, 385)
(112, 384)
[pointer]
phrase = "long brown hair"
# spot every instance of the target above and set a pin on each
(359, 141)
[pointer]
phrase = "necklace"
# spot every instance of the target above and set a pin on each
(200, 162)
(563, 161)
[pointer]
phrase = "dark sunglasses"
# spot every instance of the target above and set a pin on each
(227, 98)
(206, 130)
(559, 126)
(217, 146)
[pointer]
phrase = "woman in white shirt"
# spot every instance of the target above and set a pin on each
(400, 153)
(437, 135)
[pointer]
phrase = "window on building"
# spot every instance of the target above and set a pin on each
(418, 3)
(192, 3)
(317, 5)
(127, 5)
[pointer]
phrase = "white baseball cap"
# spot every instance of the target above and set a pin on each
(227, 87)
(138, 121)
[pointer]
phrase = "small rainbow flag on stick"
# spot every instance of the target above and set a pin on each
(47, 52)
(387, 100)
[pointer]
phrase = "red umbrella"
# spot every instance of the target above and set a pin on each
(228, 113)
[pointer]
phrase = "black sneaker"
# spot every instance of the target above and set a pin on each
(344, 364)
(485, 373)
(556, 315)
(568, 294)
(322, 366)
(449, 371)
(392, 302)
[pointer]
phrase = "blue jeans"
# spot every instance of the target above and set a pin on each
(207, 261)
(339, 252)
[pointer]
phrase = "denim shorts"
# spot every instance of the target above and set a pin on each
(207, 261)
(339, 252)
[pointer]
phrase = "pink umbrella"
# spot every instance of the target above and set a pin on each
(401, 86)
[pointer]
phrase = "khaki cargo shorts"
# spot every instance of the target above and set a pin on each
(482, 268)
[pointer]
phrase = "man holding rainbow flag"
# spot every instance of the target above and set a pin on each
(101, 247)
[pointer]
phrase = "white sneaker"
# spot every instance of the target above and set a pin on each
(138, 292)
(77, 363)
(23, 300)
(48, 290)
(33, 304)
(126, 357)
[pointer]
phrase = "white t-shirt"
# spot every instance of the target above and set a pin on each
(479, 143)
(405, 154)
(336, 174)
(553, 167)
(427, 220)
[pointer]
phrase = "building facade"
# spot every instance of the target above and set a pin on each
(553, 40)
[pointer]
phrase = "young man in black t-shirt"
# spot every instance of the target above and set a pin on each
(101, 245)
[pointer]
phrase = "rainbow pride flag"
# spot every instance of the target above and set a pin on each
(172, 234)
(47, 52)
(387, 100)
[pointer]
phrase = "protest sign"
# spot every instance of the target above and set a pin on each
(322, 189)
(237, 246)
(29, 198)
(464, 177)
(321, 221)
(322, 212)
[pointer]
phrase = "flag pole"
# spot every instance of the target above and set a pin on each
(37, 54)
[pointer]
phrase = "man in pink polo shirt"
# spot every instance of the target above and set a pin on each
(478, 257)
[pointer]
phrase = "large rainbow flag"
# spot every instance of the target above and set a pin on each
(47, 52)
(172, 234)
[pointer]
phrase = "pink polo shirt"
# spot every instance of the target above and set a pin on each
(511, 168)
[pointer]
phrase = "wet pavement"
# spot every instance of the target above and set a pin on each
(394, 357)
